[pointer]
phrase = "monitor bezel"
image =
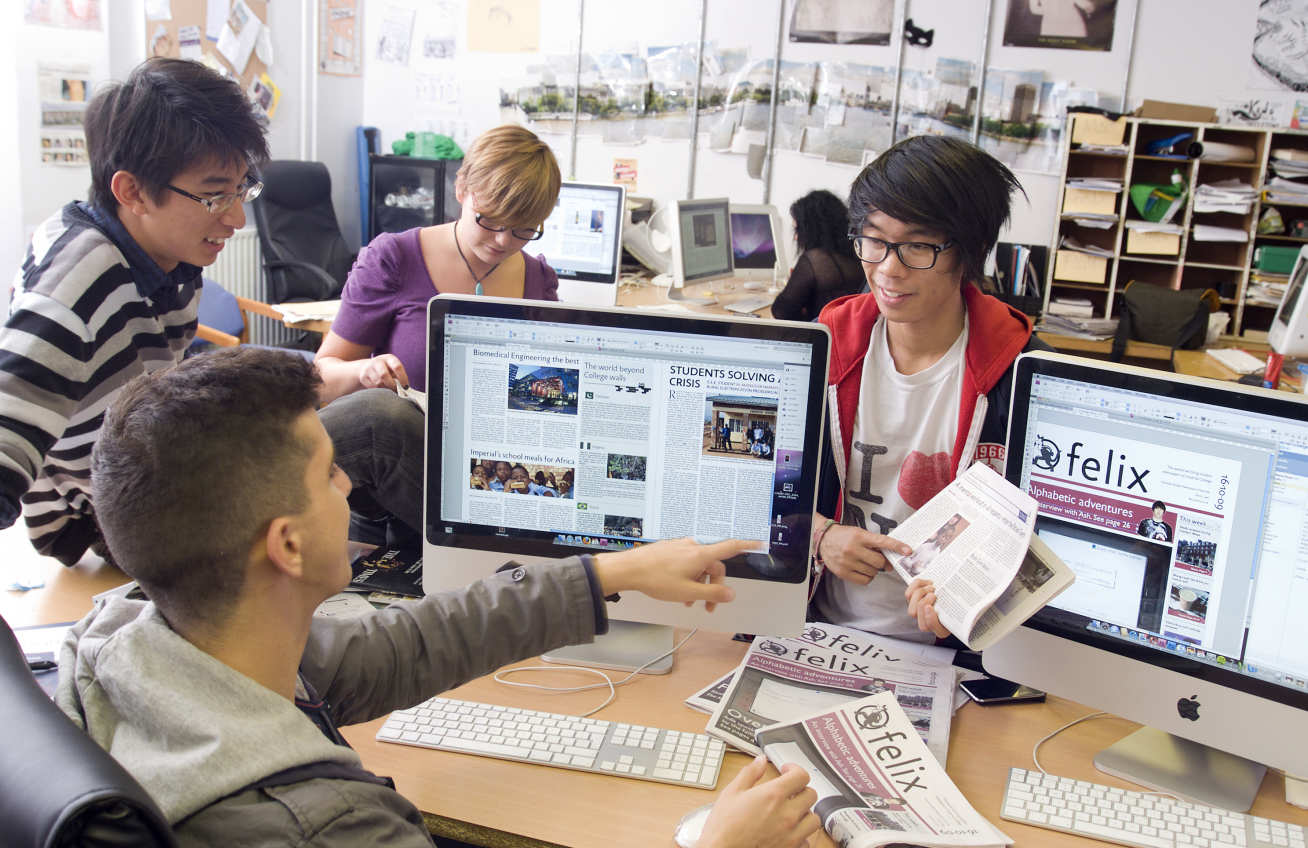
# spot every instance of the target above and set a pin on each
(680, 277)
(540, 543)
(1199, 389)
(610, 278)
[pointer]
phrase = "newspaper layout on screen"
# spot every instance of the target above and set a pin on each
(622, 434)
(581, 233)
(875, 780)
(1182, 520)
(782, 679)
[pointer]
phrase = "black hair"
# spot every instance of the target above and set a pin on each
(1159, 505)
(190, 466)
(939, 183)
(822, 221)
(170, 114)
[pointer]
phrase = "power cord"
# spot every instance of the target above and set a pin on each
(1035, 749)
(608, 683)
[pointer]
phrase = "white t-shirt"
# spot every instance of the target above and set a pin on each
(903, 439)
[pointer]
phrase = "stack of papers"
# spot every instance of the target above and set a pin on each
(1098, 220)
(1080, 307)
(1285, 191)
(1225, 196)
(1289, 162)
(1114, 149)
(1207, 232)
(1153, 227)
(1095, 329)
(1069, 243)
(1095, 184)
(1265, 290)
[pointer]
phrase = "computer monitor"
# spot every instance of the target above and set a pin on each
(701, 245)
(757, 243)
(615, 418)
(1179, 502)
(1288, 334)
(583, 242)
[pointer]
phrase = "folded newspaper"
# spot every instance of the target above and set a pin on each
(782, 679)
(876, 783)
(974, 541)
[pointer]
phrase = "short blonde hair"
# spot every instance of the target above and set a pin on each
(513, 175)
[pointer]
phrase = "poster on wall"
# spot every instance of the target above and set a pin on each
(396, 35)
(62, 93)
(842, 21)
(504, 26)
(69, 14)
(1061, 24)
(340, 38)
(1279, 45)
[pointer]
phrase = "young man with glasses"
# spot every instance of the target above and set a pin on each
(110, 287)
(921, 370)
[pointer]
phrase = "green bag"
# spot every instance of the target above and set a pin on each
(1159, 203)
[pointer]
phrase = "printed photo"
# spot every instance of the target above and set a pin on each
(623, 466)
(1188, 603)
(622, 525)
(916, 562)
(1063, 24)
(517, 478)
(739, 426)
(538, 388)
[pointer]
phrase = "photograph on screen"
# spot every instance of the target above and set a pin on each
(624, 525)
(623, 466)
(1119, 579)
(740, 427)
(539, 388)
(490, 474)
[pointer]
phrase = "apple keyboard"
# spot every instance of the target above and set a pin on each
(564, 741)
(1138, 819)
(1237, 360)
(750, 303)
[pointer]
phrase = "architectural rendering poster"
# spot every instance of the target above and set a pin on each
(1064, 24)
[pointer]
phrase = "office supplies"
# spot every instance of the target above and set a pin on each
(758, 246)
(1138, 819)
(1179, 502)
(627, 406)
(551, 739)
(1237, 360)
(583, 242)
(701, 245)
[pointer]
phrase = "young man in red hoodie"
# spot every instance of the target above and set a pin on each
(919, 377)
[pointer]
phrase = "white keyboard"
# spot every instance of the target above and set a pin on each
(551, 739)
(750, 303)
(1136, 818)
(1237, 360)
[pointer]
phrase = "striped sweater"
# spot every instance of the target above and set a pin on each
(89, 311)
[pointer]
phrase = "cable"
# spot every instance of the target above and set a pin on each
(1035, 749)
(608, 681)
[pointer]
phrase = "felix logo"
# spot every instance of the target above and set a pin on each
(1188, 708)
(1112, 470)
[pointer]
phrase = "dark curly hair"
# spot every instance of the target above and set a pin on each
(821, 220)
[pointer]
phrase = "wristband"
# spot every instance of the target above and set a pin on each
(817, 541)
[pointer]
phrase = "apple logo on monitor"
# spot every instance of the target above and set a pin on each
(1188, 708)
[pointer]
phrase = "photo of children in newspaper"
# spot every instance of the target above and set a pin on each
(621, 466)
(623, 525)
(740, 427)
(540, 388)
(516, 478)
(916, 562)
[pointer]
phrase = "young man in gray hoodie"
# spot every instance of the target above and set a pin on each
(216, 489)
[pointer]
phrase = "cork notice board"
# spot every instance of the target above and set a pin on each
(161, 37)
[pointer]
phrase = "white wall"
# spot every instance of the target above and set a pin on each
(11, 183)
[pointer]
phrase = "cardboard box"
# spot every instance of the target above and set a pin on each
(1165, 111)
(1085, 200)
(1144, 241)
(1074, 266)
(1089, 128)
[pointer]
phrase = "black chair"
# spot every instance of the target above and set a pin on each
(57, 787)
(304, 252)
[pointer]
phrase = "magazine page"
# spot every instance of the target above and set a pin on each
(782, 679)
(707, 699)
(1039, 579)
(969, 540)
(875, 779)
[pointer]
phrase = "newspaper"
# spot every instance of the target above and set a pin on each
(782, 679)
(974, 541)
(875, 783)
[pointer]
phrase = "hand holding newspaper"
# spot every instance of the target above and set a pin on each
(974, 542)
(876, 782)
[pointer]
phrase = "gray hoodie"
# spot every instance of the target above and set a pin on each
(195, 733)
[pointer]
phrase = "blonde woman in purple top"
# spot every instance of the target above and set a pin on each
(507, 186)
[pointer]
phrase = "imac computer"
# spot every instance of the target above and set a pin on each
(562, 429)
(1288, 334)
(701, 246)
(757, 243)
(1179, 502)
(583, 242)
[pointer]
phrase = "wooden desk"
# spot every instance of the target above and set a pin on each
(496, 803)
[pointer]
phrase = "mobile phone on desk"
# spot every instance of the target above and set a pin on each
(989, 691)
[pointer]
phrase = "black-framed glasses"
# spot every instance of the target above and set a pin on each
(918, 255)
(220, 203)
(518, 233)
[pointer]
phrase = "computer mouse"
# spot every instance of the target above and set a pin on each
(691, 826)
(755, 285)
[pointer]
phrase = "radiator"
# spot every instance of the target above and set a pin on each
(239, 269)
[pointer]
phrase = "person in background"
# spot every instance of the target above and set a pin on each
(507, 186)
(827, 267)
(223, 694)
(110, 287)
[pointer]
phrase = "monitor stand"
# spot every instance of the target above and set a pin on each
(626, 647)
(1187, 769)
(678, 293)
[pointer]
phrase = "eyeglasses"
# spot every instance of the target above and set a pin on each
(517, 233)
(918, 255)
(220, 203)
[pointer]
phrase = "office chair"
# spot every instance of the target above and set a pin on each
(225, 320)
(304, 253)
(58, 787)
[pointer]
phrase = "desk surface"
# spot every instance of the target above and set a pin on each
(493, 802)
